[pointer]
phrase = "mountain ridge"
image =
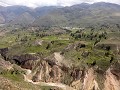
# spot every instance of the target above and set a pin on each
(83, 14)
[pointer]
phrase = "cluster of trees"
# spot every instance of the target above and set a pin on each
(41, 34)
(96, 36)
(44, 34)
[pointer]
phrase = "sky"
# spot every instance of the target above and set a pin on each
(37, 3)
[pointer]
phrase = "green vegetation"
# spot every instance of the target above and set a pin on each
(12, 75)
(49, 88)
(81, 47)
(60, 44)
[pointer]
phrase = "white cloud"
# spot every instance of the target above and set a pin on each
(30, 3)
(35, 3)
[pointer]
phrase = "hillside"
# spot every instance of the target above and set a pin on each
(83, 15)
(60, 59)
(22, 14)
(60, 48)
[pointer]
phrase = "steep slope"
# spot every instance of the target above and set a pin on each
(53, 72)
(65, 60)
(22, 14)
(51, 20)
(23, 19)
(12, 77)
(77, 15)
(45, 10)
(84, 14)
(12, 12)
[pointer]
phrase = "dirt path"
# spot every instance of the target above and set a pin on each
(60, 85)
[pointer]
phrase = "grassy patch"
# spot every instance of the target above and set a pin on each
(13, 75)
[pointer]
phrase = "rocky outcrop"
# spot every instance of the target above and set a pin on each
(86, 81)
(3, 52)
(20, 60)
(89, 82)
(38, 43)
(112, 77)
(5, 65)
(54, 69)
(76, 46)
(46, 70)
(79, 79)
(109, 46)
(111, 82)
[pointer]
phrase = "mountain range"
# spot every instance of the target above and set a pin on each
(77, 15)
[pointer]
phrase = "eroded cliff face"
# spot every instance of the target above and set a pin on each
(79, 79)
(112, 81)
(54, 69)
(89, 82)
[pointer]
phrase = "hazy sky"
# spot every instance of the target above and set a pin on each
(36, 3)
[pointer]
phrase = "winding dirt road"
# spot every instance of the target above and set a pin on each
(60, 85)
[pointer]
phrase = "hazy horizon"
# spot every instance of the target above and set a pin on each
(41, 3)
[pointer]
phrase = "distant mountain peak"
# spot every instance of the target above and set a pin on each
(76, 15)
(105, 3)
